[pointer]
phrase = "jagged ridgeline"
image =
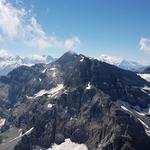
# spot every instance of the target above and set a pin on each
(77, 102)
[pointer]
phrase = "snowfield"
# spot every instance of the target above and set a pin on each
(54, 91)
(145, 76)
(69, 145)
(51, 93)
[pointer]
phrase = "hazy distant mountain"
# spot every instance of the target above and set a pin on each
(121, 63)
(147, 70)
(8, 63)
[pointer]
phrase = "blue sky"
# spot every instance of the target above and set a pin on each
(93, 27)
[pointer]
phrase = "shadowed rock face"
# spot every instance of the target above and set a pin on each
(147, 70)
(84, 109)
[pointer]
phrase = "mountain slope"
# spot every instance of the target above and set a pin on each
(77, 98)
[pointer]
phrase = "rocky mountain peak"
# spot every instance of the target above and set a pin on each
(77, 98)
(68, 57)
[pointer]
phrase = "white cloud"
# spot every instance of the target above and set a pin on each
(71, 44)
(145, 45)
(20, 25)
(5, 53)
(37, 57)
(11, 19)
(38, 37)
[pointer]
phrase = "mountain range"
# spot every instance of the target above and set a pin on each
(122, 63)
(73, 103)
(8, 63)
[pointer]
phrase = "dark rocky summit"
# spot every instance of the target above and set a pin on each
(76, 97)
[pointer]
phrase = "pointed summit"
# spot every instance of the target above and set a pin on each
(68, 57)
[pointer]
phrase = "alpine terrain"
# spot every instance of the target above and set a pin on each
(74, 103)
(10, 62)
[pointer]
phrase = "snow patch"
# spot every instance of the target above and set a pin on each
(44, 70)
(52, 69)
(146, 127)
(54, 74)
(50, 105)
(21, 135)
(51, 93)
(140, 113)
(28, 132)
(126, 109)
(143, 123)
(29, 97)
(54, 91)
(145, 89)
(40, 93)
(82, 59)
(88, 86)
(2, 122)
(145, 76)
(69, 145)
(147, 132)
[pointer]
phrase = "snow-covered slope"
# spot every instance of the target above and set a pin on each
(68, 145)
(145, 76)
(8, 63)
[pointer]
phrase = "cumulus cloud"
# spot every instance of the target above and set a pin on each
(19, 24)
(11, 19)
(145, 45)
(71, 44)
(5, 53)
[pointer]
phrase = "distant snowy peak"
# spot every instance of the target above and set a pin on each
(109, 59)
(34, 59)
(131, 65)
(10, 62)
(120, 62)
